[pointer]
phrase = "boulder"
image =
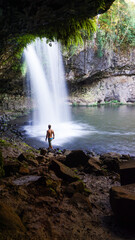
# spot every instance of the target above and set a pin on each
(127, 172)
(76, 158)
(26, 180)
(9, 220)
(122, 200)
(63, 171)
(93, 166)
(111, 161)
(29, 158)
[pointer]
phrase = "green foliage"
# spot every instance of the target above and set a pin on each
(114, 31)
(116, 27)
(4, 143)
(69, 34)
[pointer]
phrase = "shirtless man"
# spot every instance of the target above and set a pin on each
(50, 135)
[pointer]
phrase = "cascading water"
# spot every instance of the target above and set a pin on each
(45, 72)
(46, 75)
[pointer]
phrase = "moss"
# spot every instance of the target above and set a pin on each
(4, 143)
(85, 189)
(53, 191)
(51, 184)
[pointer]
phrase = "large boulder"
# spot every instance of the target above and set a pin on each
(76, 158)
(127, 172)
(122, 200)
(63, 171)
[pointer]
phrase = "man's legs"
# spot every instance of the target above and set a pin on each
(50, 144)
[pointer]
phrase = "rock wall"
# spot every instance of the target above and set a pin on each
(93, 79)
(116, 88)
(14, 98)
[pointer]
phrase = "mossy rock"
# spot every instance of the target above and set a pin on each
(28, 157)
(9, 220)
(54, 186)
(62, 171)
(77, 186)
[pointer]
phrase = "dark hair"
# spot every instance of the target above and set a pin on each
(49, 126)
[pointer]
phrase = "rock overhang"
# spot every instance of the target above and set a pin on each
(45, 16)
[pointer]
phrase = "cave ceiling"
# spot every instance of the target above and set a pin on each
(20, 17)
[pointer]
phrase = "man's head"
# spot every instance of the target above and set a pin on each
(49, 126)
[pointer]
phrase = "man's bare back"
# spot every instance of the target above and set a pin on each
(50, 135)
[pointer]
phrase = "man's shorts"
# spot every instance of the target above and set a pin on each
(49, 140)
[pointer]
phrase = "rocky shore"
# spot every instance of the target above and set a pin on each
(51, 195)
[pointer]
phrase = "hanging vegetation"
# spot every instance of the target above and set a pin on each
(23, 21)
(114, 29)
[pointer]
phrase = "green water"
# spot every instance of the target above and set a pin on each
(111, 128)
(99, 129)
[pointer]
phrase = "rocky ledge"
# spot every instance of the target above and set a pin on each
(58, 194)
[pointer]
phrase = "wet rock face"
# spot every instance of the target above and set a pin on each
(97, 80)
(88, 66)
(13, 94)
(115, 89)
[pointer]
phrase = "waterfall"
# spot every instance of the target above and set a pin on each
(45, 72)
(46, 76)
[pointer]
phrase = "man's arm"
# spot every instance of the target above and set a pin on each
(46, 136)
(53, 134)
